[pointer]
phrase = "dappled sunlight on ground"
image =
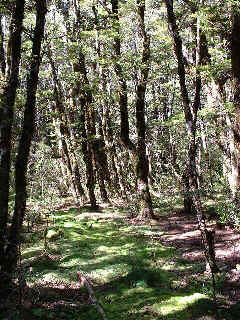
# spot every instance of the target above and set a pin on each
(138, 269)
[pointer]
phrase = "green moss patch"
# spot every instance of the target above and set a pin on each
(134, 276)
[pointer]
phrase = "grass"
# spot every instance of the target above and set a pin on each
(134, 275)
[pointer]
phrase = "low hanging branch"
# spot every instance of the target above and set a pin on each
(83, 281)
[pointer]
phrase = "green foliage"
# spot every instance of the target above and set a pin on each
(227, 213)
(175, 120)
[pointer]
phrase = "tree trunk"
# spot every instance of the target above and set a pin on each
(142, 165)
(64, 152)
(187, 196)
(25, 141)
(235, 59)
(118, 180)
(2, 52)
(216, 99)
(7, 99)
(87, 158)
(138, 154)
(122, 91)
(66, 137)
(81, 100)
(191, 118)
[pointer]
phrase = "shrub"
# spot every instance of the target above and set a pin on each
(227, 214)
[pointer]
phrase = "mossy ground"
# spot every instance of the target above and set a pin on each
(134, 275)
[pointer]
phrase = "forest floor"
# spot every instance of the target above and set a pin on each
(137, 270)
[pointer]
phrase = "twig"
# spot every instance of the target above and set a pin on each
(83, 281)
(104, 6)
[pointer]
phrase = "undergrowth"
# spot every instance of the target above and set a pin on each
(133, 275)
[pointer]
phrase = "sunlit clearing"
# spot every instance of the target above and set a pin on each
(176, 303)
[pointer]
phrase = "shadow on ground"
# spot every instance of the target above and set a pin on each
(135, 270)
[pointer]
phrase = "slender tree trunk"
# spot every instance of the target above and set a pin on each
(7, 99)
(94, 145)
(191, 118)
(216, 98)
(87, 155)
(235, 59)
(63, 149)
(103, 159)
(25, 140)
(102, 155)
(81, 99)
(122, 91)
(2, 54)
(138, 154)
(97, 153)
(116, 165)
(230, 163)
(142, 165)
(67, 138)
(187, 195)
(150, 159)
(77, 180)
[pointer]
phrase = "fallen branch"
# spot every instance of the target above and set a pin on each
(83, 281)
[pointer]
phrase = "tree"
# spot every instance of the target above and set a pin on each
(142, 166)
(9, 258)
(138, 152)
(8, 95)
(235, 61)
(191, 118)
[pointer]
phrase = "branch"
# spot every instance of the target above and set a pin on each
(104, 6)
(83, 281)
(177, 40)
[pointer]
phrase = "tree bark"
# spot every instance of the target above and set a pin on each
(7, 99)
(82, 96)
(235, 60)
(106, 140)
(87, 154)
(118, 180)
(137, 153)
(2, 54)
(191, 114)
(25, 140)
(142, 165)
(67, 141)
(122, 91)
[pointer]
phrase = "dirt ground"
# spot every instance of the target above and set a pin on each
(181, 231)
